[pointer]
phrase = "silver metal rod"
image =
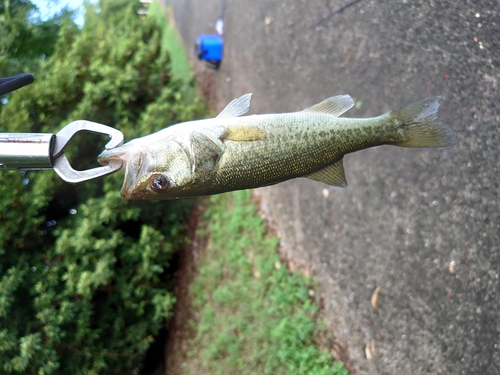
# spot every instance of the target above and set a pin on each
(25, 151)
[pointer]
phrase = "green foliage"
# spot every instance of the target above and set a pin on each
(25, 40)
(83, 274)
(252, 315)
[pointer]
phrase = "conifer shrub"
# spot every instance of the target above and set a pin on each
(84, 276)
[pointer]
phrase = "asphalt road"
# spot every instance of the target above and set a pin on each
(423, 225)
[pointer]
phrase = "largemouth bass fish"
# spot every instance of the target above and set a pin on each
(231, 153)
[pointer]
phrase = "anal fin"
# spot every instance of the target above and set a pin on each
(332, 175)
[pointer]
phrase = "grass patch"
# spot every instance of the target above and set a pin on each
(171, 41)
(251, 316)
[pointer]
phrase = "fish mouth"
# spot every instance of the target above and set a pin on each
(108, 156)
(126, 193)
(129, 184)
(130, 160)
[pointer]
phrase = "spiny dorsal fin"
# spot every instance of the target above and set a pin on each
(332, 175)
(237, 107)
(244, 133)
(335, 106)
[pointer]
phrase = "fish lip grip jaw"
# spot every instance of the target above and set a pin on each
(34, 151)
(46, 151)
(61, 163)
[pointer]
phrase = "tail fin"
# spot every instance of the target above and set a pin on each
(425, 130)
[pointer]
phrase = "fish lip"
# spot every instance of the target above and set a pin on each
(130, 158)
(105, 157)
(126, 193)
(132, 174)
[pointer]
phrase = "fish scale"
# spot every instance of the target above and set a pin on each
(301, 152)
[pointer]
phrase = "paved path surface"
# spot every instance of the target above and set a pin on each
(423, 225)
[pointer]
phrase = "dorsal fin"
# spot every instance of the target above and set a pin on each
(237, 107)
(335, 106)
(332, 175)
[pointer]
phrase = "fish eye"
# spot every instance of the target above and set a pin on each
(158, 182)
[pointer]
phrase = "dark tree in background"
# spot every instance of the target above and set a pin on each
(83, 274)
(26, 40)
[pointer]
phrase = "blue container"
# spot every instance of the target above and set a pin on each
(209, 47)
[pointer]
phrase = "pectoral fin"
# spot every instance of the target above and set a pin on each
(237, 107)
(335, 106)
(205, 152)
(242, 133)
(332, 175)
(202, 149)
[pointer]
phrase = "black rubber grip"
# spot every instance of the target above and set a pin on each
(9, 84)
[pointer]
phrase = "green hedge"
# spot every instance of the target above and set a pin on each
(83, 274)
